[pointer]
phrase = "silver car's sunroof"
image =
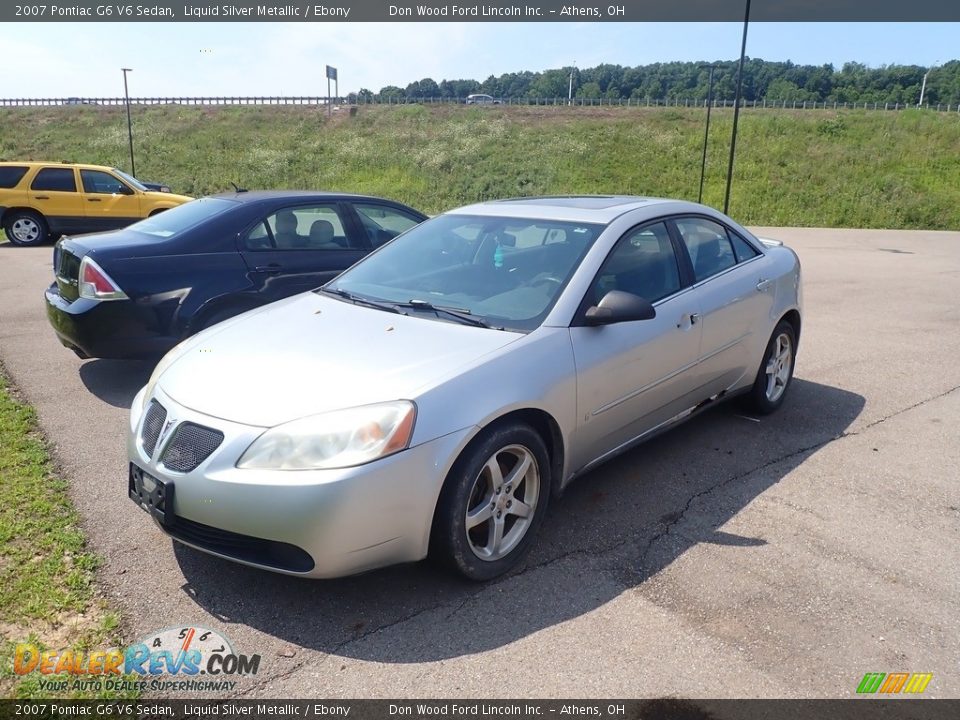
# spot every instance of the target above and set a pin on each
(593, 202)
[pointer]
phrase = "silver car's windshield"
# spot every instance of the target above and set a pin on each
(507, 272)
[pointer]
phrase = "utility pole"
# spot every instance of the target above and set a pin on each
(570, 89)
(736, 108)
(706, 132)
(126, 94)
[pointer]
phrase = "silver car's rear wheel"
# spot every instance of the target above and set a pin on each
(779, 366)
(502, 502)
(492, 502)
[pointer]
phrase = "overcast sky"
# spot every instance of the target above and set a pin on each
(84, 59)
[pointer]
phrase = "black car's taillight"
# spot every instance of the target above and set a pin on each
(95, 284)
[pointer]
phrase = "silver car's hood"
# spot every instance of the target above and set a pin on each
(311, 353)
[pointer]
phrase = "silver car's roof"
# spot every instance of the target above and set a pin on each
(601, 209)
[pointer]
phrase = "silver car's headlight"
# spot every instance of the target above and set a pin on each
(166, 361)
(338, 439)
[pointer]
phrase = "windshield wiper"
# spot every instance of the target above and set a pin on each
(461, 315)
(359, 300)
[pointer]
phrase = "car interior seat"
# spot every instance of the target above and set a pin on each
(286, 230)
(321, 235)
(710, 254)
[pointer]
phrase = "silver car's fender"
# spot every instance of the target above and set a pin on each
(787, 285)
(537, 373)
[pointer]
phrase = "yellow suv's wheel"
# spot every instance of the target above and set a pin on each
(24, 227)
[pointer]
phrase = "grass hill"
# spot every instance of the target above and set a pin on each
(808, 168)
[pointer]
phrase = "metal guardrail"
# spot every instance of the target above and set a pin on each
(234, 100)
(393, 100)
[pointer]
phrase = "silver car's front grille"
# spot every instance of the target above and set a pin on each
(152, 425)
(190, 445)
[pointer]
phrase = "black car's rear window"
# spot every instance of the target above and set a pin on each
(10, 175)
(171, 223)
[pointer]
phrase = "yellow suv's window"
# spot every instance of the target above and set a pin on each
(55, 179)
(10, 175)
(97, 181)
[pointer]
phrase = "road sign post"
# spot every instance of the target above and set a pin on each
(331, 75)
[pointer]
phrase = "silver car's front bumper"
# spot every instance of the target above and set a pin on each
(346, 520)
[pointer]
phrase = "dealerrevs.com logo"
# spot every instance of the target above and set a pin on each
(175, 659)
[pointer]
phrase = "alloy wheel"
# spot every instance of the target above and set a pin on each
(778, 367)
(503, 502)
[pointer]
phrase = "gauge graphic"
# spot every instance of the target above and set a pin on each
(186, 638)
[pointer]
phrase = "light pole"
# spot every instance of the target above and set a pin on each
(736, 108)
(706, 132)
(570, 88)
(126, 94)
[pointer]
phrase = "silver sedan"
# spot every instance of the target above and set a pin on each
(437, 395)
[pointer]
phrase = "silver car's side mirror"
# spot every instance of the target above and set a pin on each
(619, 306)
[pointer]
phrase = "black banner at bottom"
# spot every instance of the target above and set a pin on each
(655, 709)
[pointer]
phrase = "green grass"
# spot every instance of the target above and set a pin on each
(849, 168)
(47, 592)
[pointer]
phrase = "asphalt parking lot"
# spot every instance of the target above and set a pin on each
(731, 557)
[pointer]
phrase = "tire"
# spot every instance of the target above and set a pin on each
(775, 373)
(480, 484)
(26, 228)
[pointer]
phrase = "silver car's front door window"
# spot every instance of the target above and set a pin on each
(632, 376)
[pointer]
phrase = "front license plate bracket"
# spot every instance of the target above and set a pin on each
(153, 495)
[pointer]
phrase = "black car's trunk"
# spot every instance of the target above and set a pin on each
(66, 267)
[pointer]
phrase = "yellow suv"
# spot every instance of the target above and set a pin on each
(43, 200)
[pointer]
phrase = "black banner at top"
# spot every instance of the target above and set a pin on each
(483, 11)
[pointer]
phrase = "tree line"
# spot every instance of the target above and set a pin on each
(854, 82)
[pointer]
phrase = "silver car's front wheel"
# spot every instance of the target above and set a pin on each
(492, 502)
(502, 502)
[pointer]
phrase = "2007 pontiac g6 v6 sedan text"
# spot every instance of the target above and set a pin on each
(433, 398)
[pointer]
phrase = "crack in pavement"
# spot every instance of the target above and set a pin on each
(271, 679)
(677, 518)
(336, 649)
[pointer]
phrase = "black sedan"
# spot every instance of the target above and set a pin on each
(138, 291)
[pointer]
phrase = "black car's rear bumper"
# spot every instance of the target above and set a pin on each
(105, 329)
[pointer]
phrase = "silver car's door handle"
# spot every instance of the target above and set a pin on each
(762, 285)
(688, 321)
